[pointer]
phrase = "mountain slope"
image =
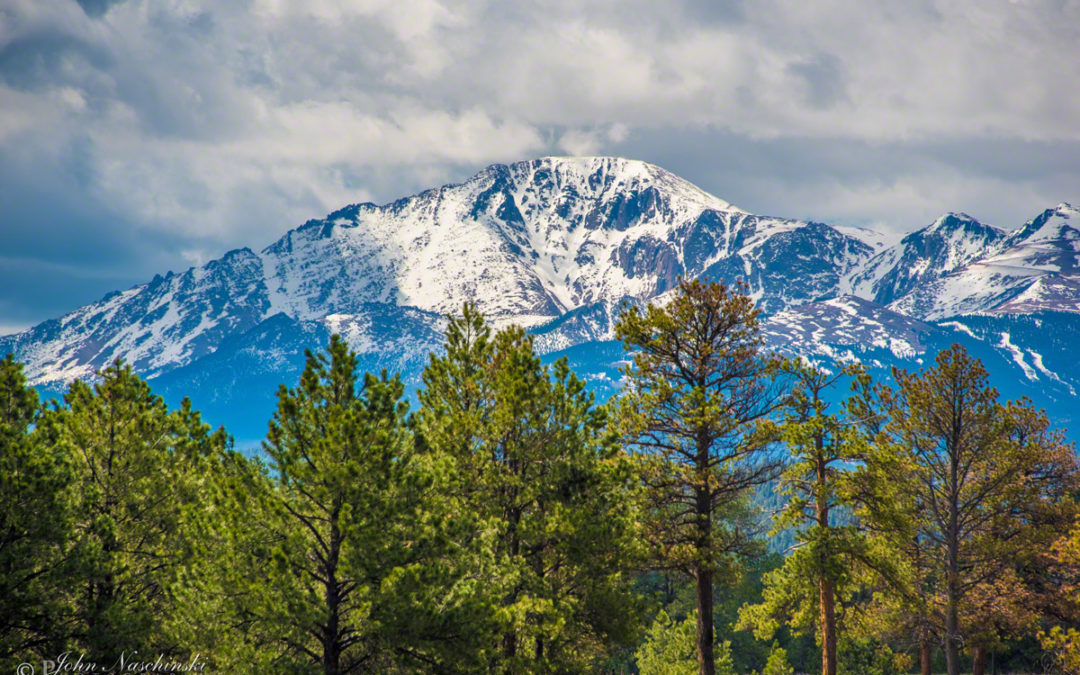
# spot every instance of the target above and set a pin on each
(559, 245)
(171, 320)
(947, 244)
(1046, 249)
(525, 242)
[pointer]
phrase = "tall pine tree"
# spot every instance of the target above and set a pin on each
(830, 548)
(137, 479)
(699, 396)
(36, 522)
(364, 571)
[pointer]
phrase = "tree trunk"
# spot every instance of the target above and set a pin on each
(952, 574)
(509, 648)
(510, 639)
(331, 646)
(978, 665)
(952, 631)
(925, 655)
(828, 628)
(331, 632)
(703, 509)
(826, 587)
(706, 660)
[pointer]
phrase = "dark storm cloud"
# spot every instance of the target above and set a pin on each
(64, 247)
(140, 136)
(46, 56)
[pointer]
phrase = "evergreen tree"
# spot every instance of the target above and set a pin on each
(137, 482)
(700, 392)
(904, 608)
(972, 475)
(225, 582)
(362, 572)
(803, 593)
(670, 648)
(1062, 642)
(867, 656)
(533, 465)
(35, 523)
(777, 663)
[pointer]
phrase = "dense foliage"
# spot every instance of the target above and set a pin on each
(509, 523)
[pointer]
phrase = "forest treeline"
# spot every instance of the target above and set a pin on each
(509, 523)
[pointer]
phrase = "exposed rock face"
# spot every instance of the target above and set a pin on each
(948, 244)
(1046, 250)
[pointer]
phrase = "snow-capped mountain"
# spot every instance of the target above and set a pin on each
(946, 245)
(1045, 251)
(526, 242)
(843, 327)
(559, 245)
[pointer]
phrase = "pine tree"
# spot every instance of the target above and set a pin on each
(363, 574)
(972, 475)
(777, 663)
(224, 583)
(700, 392)
(670, 648)
(803, 593)
(1062, 642)
(35, 523)
(904, 608)
(533, 465)
(137, 479)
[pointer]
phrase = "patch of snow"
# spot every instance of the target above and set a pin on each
(1017, 356)
(960, 327)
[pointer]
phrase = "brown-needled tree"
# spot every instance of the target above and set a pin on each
(980, 476)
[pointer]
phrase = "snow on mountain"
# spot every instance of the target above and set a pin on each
(949, 243)
(173, 319)
(872, 237)
(1050, 292)
(527, 243)
(534, 240)
(1051, 240)
(843, 328)
(1046, 247)
(559, 245)
(1040, 348)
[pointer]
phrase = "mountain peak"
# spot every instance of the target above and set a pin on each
(1050, 225)
(945, 245)
(954, 221)
(525, 242)
(588, 165)
(596, 175)
(956, 216)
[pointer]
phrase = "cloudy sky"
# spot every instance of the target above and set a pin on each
(141, 136)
